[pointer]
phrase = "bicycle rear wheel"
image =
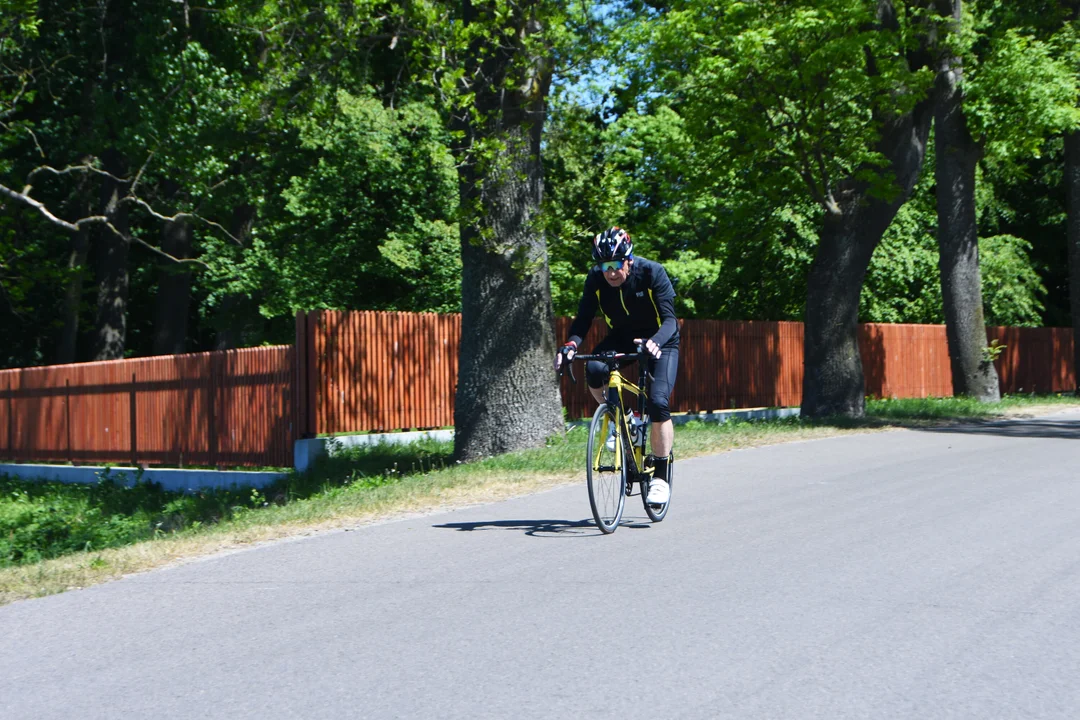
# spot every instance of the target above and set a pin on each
(657, 513)
(605, 471)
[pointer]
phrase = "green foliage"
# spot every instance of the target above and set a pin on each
(902, 283)
(1021, 93)
(46, 520)
(955, 408)
(320, 135)
(42, 520)
(782, 94)
(369, 222)
(903, 286)
(993, 351)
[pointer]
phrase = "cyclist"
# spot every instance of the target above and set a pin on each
(638, 302)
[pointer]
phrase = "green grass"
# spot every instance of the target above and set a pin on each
(45, 521)
(958, 408)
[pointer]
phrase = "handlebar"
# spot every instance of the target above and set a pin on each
(610, 357)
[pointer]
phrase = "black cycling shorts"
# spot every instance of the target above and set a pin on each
(663, 371)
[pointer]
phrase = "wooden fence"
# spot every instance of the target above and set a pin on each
(376, 371)
(226, 408)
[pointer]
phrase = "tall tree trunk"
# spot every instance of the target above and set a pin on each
(112, 265)
(68, 342)
(1072, 192)
(174, 286)
(67, 346)
(833, 380)
(507, 397)
(174, 291)
(957, 156)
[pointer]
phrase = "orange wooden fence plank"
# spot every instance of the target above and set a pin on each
(361, 371)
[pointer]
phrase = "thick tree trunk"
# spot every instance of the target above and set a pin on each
(173, 299)
(67, 346)
(507, 398)
(174, 291)
(833, 381)
(112, 266)
(957, 156)
(1072, 192)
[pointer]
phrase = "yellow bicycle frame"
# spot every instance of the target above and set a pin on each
(618, 383)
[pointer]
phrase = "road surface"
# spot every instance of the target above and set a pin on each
(906, 574)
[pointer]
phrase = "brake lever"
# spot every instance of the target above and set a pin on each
(567, 366)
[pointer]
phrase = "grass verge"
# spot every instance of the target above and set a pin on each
(55, 537)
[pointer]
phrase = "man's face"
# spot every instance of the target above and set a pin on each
(616, 271)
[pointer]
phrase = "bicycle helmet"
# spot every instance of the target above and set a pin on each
(612, 244)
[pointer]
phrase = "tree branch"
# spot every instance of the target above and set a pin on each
(25, 199)
(181, 216)
(84, 168)
(161, 253)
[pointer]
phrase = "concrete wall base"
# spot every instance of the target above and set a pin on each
(175, 480)
(306, 452)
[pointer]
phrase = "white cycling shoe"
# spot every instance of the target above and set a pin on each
(659, 492)
(610, 442)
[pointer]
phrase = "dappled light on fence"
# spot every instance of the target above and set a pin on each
(384, 371)
(378, 371)
(905, 361)
(1034, 360)
(217, 409)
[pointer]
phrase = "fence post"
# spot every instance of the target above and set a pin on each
(311, 324)
(300, 395)
(134, 425)
(10, 422)
(67, 417)
(212, 409)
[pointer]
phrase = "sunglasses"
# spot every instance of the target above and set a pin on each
(611, 265)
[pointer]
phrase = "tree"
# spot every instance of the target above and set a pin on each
(506, 398)
(958, 154)
(113, 101)
(825, 100)
(1072, 189)
(1005, 87)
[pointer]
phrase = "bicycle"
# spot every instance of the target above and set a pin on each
(613, 468)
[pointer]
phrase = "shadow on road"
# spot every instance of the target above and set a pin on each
(1037, 428)
(539, 528)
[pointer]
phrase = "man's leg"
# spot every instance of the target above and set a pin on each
(662, 437)
(662, 433)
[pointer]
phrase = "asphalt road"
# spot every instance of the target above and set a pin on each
(909, 574)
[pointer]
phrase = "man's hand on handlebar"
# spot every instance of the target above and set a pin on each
(650, 347)
(566, 352)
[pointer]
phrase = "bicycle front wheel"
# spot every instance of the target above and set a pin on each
(605, 470)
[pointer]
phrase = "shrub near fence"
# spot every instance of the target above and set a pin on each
(225, 408)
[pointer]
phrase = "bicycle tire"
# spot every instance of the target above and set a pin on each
(657, 513)
(605, 476)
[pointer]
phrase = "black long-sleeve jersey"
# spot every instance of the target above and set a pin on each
(642, 307)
